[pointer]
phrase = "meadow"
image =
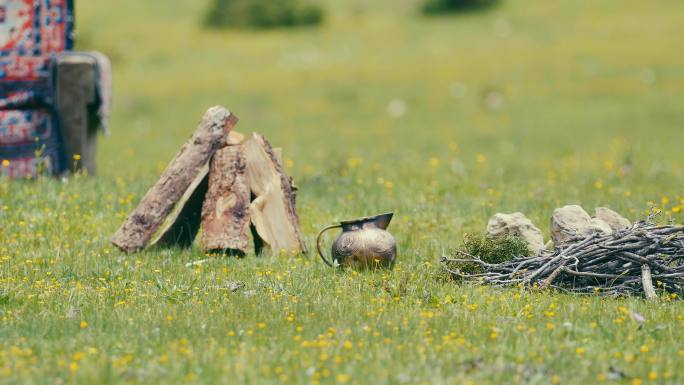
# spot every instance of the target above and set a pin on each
(444, 120)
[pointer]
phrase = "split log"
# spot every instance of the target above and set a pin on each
(273, 211)
(161, 216)
(225, 213)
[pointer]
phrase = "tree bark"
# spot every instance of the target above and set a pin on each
(158, 217)
(273, 211)
(225, 213)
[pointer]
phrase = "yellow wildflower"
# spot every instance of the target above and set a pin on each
(598, 184)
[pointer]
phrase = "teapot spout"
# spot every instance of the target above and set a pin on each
(382, 221)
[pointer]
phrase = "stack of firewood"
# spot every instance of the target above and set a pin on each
(226, 184)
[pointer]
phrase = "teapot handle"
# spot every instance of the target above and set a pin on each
(318, 243)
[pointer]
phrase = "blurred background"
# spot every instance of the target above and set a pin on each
(479, 106)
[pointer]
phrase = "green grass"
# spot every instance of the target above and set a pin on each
(525, 107)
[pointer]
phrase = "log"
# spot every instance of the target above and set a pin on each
(160, 217)
(273, 211)
(225, 213)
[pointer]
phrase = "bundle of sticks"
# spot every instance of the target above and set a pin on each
(627, 262)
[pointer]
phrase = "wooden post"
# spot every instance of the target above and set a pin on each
(225, 214)
(158, 216)
(273, 212)
(75, 90)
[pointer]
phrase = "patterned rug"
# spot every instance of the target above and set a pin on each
(31, 32)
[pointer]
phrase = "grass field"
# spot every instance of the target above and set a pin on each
(448, 120)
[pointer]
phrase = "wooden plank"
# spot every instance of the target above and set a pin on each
(154, 216)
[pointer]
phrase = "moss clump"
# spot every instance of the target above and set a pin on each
(494, 251)
(261, 14)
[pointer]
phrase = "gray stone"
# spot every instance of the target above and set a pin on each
(518, 225)
(613, 219)
(573, 222)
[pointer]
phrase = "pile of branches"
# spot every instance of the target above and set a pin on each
(633, 261)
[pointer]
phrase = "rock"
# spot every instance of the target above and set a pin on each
(518, 225)
(613, 219)
(573, 222)
(601, 226)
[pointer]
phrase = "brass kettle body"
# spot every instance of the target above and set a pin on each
(364, 243)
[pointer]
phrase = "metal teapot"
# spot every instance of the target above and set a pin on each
(364, 243)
